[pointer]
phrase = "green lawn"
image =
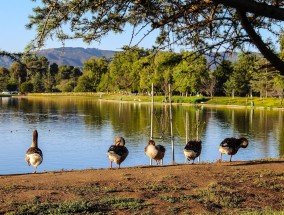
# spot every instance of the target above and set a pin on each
(241, 101)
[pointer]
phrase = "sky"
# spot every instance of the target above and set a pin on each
(14, 36)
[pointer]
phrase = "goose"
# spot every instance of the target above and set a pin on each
(34, 155)
(192, 150)
(230, 146)
(156, 152)
(117, 152)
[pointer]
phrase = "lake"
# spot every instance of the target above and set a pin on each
(76, 132)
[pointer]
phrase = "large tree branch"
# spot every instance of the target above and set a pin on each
(13, 56)
(260, 9)
(192, 8)
(43, 32)
(257, 41)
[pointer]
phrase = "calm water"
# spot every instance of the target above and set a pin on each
(76, 132)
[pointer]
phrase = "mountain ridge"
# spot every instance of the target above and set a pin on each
(73, 56)
(76, 56)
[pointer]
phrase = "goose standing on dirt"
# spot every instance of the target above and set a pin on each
(117, 153)
(156, 152)
(192, 150)
(34, 155)
(230, 146)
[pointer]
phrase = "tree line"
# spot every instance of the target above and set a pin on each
(134, 70)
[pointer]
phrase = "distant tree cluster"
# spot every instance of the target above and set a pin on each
(36, 74)
(134, 70)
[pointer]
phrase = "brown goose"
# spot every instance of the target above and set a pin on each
(192, 150)
(156, 152)
(230, 146)
(34, 155)
(117, 153)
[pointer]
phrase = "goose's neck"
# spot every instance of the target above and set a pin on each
(35, 137)
(34, 143)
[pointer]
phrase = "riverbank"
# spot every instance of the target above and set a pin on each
(250, 187)
(248, 102)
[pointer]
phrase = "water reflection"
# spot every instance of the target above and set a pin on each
(75, 132)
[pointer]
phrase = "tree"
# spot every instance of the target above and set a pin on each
(123, 70)
(4, 78)
(164, 64)
(37, 83)
(11, 86)
(209, 85)
(37, 71)
(18, 73)
(239, 82)
(105, 83)
(63, 82)
(205, 25)
(66, 85)
(93, 70)
(279, 86)
(50, 82)
(64, 72)
(262, 81)
(27, 87)
(146, 73)
(189, 73)
(98, 66)
(85, 83)
(222, 74)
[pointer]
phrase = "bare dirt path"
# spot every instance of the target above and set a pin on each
(225, 188)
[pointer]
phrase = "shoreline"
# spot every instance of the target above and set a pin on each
(238, 187)
(239, 102)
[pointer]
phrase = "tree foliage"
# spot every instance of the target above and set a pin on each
(204, 26)
(94, 68)
(190, 73)
(124, 69)
(239, 81)
(4, 78)
(222, 73)
(134, 70)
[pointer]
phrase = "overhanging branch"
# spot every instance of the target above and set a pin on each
(257, 41)
(260, 9)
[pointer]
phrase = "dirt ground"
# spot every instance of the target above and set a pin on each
(251, 187)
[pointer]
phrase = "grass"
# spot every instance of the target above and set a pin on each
(245, 101)
(108, 203)
(123, 203)
(178, 199)
(264, 181)
(267, 211)
(221, 195)
(63, 208)
(160, 188)
(193, 100)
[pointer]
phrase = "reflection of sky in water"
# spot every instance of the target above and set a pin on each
(78, 138)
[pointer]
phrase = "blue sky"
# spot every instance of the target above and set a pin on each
(14, 36)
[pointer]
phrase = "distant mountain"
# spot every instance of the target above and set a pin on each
(66, 56)
(77, 56)
(5, 62)
(214, 62)
(73, 56)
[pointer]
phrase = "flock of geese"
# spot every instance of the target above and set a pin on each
(118, 152)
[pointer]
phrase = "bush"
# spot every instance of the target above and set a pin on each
(27, 87)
